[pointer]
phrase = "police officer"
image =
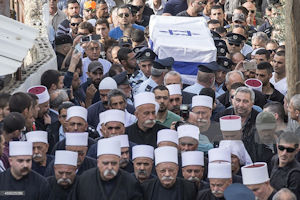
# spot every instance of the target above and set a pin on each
(225, 66)
(158, 71)
(145, 58)
(235, 42)
(123, 84)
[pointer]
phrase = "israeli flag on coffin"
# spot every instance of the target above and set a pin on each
(187, 39)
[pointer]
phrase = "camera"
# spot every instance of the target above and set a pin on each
(89, 38)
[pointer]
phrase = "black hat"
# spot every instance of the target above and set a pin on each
(63, 39)
(165, 63)
(145, 54)
(137, 49)
(238, 191)
(221, 47)
(215, 35)
(235, 38)
(121, 78)
(125, 42)
(209, 67)
(94, 65)
(224, 63)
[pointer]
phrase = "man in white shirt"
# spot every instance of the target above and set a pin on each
(279, 77)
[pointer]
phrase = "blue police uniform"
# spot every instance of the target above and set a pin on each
(136, 80)
(147, 86)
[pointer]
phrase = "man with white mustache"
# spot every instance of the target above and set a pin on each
(193, 168)
(167, 185)
(40, 160)
(63, 182)
(144, 131)
(219, 175)
(107, 181)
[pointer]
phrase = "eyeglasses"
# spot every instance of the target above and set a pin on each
(75, 24)
(200, 3)
(123, 14)
(272, 51)
(288, 149)
(231, 44)
(90, 10)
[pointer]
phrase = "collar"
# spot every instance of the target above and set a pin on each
(54, 111)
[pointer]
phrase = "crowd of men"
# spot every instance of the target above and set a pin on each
(115, 121)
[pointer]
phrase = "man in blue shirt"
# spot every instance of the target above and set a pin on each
(124, 19)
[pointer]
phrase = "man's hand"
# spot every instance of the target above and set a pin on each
(90, 91)
(47, 119)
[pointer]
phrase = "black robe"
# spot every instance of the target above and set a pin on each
(207, 195)
(138, 136)
(57, 192)
(181, 190)
(87, 164)
(90, 186)
(42, 169)
(34, 186)
(129, 167)
(61, 145)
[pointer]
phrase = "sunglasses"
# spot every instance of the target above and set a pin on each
(252, 11)
(90, 10)
(288, 149)
(231, 44)
(272, 51)
(75, 24)
(123, 14)
(200, 3)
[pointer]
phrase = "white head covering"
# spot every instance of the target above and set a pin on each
(219, 170)
(192, 158)
(77, 111)
(230, 123)
(63, 157)
(20, 148)
(256, 173)
(166, 154)
(124, 142)
(219, 154)
(202, 100)
(108, 146)
(167, 135)
(144, 98)
(37, 136)
(188, 130)
(142, 151)
(77, 139)
(41, 92)
(174, 89)
(237, 148)
(112, 115)
(108, 83)
(254, 83)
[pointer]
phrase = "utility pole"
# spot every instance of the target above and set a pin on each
(292, 20)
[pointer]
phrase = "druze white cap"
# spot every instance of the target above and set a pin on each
(219, 170)
(174, 89)
(37, 136)
(112, 115)
(108, 146)
(124, 142)
(192, 158)
(77, 139)
(230, 123)
(63, 157)
(188, 130)
(202, 100)
(255, 173)
(166, 154)
(108, 83)
(254, 83)
(41, 92)
(142, 151)
(219, 154)
(77, 111)
(20, 148)
(167, 135)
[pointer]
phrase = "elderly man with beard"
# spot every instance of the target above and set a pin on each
(107, 181)
(19, 181)
(219, 175)
(76, 142)
(40, 159)
(63, 182)
(193, 168)
(201, 117)
(164, 116)
(175, 98)
(167, 185)
(142, 156)
(144, 131)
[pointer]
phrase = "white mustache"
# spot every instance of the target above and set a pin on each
(61, 180)
(202, 120)
(194, 179)
(110, 172)
(38, 155)
(122, 161)
(150, 121)
(167, 178)
(216, 192)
